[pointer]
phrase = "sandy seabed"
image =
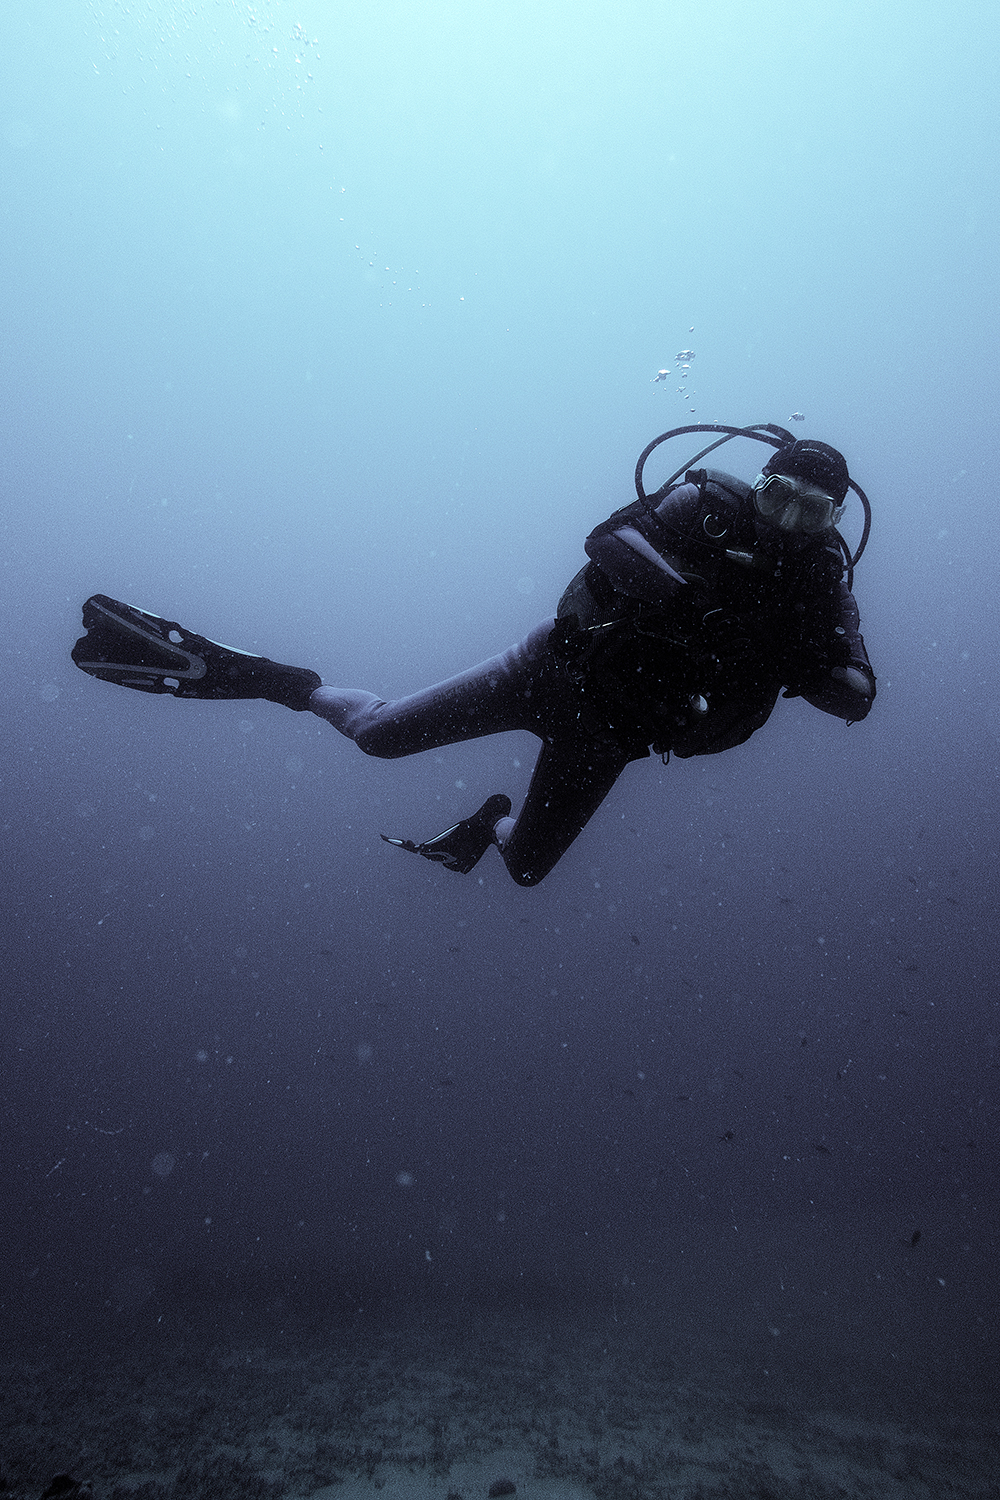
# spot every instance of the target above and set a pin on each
(444, 1406)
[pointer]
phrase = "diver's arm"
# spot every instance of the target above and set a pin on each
(845, 692)
(632, 562)
(843, 683)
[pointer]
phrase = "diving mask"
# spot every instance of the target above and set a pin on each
(792, 505)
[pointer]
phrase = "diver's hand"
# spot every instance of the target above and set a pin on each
(851, 677)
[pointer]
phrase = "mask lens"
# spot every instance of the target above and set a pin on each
(787, 503)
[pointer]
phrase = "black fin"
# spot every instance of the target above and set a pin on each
(462, 846)
(137, 650)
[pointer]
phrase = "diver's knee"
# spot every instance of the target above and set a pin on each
(375, 743)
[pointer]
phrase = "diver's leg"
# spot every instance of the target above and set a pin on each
(568, 786)
(570, 781)
(525, 687)
(494, 696)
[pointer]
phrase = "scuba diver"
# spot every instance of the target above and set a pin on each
(698, 604)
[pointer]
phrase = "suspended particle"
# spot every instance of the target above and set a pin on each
(798, 416)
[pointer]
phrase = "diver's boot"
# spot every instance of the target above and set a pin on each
(137, 650)
(461, 847)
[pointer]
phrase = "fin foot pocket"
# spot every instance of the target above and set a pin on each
(138, 650)
(462, 846)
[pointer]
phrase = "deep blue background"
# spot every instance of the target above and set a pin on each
(331, 331)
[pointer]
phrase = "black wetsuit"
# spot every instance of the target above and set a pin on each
(679, 634)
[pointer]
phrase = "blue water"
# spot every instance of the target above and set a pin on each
(331, 331)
